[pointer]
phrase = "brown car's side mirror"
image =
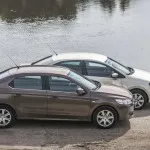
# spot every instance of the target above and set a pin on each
(80, 91)
(96, 82)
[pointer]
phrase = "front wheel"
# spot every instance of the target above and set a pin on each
(140, 98)
(7, 117)
(105, 117)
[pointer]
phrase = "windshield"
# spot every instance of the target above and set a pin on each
(118, 66)
(82, 80)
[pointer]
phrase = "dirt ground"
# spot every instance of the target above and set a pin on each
(55, 135)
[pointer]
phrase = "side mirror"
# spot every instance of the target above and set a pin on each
(114, 75)
(96, 82)
(80, 91)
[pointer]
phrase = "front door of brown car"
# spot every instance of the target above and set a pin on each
(64, 102)
(30, 100)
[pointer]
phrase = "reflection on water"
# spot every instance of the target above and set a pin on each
(108, 5)
(32, 10)
(124, 4)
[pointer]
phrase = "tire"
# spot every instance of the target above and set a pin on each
(140, 99)
(7, 116)
(98, 117)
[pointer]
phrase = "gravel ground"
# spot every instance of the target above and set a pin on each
(79, 135)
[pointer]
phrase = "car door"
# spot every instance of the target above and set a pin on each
(63, 100)
(29, 96)
(100, 72)
(75, 65)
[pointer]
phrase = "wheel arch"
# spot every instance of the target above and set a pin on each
(141, 89)
(105, 106)
(7, 105)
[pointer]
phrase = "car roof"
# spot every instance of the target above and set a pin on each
(79, 56)
(37, 69)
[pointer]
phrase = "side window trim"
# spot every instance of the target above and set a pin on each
(84, 69)
(55, 75)
(48, 85)
(120, 74)
(23, 75)
(44, 83)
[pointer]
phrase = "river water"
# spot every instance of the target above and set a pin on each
(31, 29)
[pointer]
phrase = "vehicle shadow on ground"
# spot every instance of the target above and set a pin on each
(43, 133)
(143, 113)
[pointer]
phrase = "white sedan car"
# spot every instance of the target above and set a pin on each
(105, 70)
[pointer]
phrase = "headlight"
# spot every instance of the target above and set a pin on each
(124, 101)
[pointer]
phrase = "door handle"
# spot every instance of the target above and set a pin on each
(16, 95)
(53, 97)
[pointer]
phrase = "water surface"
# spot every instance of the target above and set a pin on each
(31, 29)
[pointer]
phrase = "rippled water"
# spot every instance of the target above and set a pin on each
(31, 29)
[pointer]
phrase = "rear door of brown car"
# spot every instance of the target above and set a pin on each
(29, 96)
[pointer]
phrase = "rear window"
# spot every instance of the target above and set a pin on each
(27, 82)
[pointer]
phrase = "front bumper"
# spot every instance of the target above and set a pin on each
(126, 112)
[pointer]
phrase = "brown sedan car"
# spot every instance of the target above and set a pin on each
(42, 92)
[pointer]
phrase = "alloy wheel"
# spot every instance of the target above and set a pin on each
(5, 117)
(105, 118)
(139, 100)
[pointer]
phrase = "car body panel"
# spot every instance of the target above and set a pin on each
(114, 91)
(68, 105)
(31, 103)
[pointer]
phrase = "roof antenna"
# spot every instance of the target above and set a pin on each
(12, 61)
(52, 49)
(54, 52)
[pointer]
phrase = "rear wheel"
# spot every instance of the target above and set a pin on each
(7, 117)
(105, 117)
(140, 98)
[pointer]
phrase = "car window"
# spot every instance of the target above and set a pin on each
(118, 66)
(74, 65)
(61, 84)
(83, 80)
(27, 82)
(98, 69)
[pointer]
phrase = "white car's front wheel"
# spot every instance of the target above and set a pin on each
(140, 98)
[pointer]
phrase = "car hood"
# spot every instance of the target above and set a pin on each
(114, 90)
(140, 74)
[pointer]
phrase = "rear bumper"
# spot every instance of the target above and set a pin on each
(126, 112)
